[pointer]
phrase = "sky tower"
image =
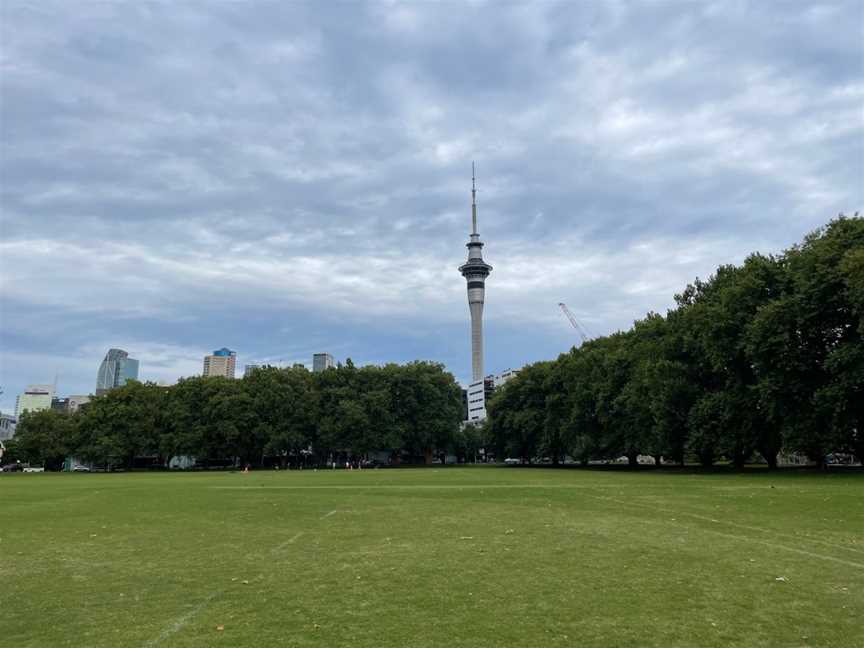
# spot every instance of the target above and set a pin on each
(475, 271)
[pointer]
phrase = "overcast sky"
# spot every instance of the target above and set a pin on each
(289, 178)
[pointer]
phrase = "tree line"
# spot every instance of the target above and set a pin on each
(275, 416)
(759, 359)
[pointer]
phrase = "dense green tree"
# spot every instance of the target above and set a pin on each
(284, 411)
(519, 415)
(806, 344)
(761, 357)
(115, 428)
(43, 438)
(427, 403)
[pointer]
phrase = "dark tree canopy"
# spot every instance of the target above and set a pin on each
(758, 359)
(274, 415)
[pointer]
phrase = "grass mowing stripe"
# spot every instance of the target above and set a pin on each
(746, 527)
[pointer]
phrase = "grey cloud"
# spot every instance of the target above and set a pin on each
(176, 170)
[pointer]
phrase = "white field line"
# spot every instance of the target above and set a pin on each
(773, 545)
(778, 534)
(289, 541)
(326, 515)
(802, 552)
(746, 527)
(181, 621)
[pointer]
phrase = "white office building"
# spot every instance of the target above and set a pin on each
(321, 362)
(34, 398)
(480, 391)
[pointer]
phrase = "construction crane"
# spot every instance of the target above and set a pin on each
(576, 325)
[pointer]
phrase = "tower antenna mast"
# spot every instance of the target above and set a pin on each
(473, 202)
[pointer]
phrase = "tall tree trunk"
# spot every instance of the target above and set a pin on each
(770, 458)
(858, 443)
(632, 459)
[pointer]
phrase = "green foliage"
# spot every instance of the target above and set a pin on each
(759, 358)
(282, 416)
(115, 428)
(42, 439)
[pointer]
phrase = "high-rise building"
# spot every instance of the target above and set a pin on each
(249, 368)
(475, 271)
(221, 363)
(34, 398)
(77, 401)
(69, 404)
(321, 361)
(480, 391)
(8, 424)
(116, 369)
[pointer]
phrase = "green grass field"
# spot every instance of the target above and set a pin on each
(432, 557)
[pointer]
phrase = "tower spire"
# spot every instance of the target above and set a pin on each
(473, 202)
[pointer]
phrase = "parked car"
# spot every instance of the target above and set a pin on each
(13, 467)
(34, 469)
(80, 469)
(510, 461)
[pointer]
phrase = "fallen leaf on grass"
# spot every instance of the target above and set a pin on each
(781, 579)
(220, 628)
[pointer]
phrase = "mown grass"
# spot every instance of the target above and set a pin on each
(432, 557)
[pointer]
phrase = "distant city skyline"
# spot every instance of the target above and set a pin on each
(288, 178)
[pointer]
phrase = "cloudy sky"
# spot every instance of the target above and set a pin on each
(288, 178)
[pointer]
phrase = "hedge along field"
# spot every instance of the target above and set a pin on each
(478, 556)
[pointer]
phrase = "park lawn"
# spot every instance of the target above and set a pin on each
(477, 556)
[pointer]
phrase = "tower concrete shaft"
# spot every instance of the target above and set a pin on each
(475, 271)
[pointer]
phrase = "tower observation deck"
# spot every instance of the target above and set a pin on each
(475, 271)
